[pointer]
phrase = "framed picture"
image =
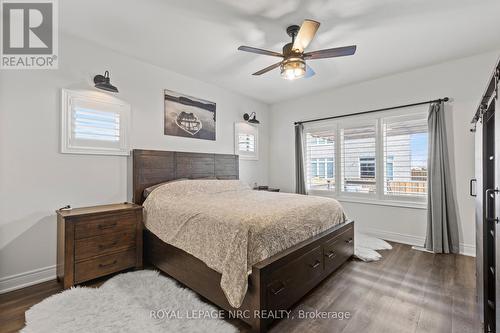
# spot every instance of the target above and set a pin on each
(189, 117)
(246, 141)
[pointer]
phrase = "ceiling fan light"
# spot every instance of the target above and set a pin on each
(293, 68)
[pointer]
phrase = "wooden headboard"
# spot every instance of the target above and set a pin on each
(150, 167)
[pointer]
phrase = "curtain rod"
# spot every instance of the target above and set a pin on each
(439, 100)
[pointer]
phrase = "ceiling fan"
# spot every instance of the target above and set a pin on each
(293, 66)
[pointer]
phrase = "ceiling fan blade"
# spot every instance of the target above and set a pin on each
(331, 53)
(309, 72)
(259, 51)
(306, 34)
(267, 69)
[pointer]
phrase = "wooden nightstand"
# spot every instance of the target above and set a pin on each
(266, 188)
(97, 241)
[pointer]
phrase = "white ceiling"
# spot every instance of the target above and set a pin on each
(199, 38)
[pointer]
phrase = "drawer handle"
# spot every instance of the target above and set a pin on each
(349, 241)
(276, 292)
(108, 265)
(316, 264)
(108, 246)
(107, 226)
(330, 254)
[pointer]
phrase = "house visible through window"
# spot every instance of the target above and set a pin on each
(320, 157)
(322, 168)
(358, 158)
(389, 167)
(383, 156)
(323, 141)
(367, 167)
(405, 141)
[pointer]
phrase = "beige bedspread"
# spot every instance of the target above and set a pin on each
(230, 227)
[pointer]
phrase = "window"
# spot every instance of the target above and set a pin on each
(380, 157)
(89, 124)
(367, 167)
(246, 143)
(358, 159)
(323, 141)
(405, 147)
(94, 123)
(322, 168)
(389, 167)
(320, 159)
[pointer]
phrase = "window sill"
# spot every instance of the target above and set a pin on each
(95, 151)
(373, 201)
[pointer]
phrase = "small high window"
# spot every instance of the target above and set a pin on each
(94, 123)
(246, 143)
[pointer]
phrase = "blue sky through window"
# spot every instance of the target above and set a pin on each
(418, 144)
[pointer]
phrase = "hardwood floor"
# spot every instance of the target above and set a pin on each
(407, 291)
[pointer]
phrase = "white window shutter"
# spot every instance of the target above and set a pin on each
(94, 123)
(358, 149)
(246, 141)
(320, 158)
(405, 155)
(377, 157)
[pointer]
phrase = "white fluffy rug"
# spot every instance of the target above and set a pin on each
(365, 247)
(144, 301)
(124, 304)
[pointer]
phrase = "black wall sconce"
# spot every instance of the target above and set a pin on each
(102, 82)
(251, 118)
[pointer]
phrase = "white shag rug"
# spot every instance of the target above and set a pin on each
(144, 301)
(365, 247)
(125, 304)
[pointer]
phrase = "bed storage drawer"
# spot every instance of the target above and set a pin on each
(338, 249)
(104, 265)
(105, 224)
(288, 283)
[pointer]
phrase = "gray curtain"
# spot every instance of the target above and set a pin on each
(300, 182)
(442, 223)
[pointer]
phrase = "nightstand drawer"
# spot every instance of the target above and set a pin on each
(98, 245)
(105, 224)
(100, 266)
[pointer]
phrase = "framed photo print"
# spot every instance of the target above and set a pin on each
(189, 116)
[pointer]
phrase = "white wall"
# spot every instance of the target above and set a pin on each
(463, 80)
(35, 179)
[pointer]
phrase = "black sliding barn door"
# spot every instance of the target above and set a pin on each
(491, 229)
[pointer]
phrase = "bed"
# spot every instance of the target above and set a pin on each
(274, 278)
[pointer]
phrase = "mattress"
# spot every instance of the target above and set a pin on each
(231, 227)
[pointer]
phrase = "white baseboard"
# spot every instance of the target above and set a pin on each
(21, 280)
(394, 236)
(468, 250)
(465, 249)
